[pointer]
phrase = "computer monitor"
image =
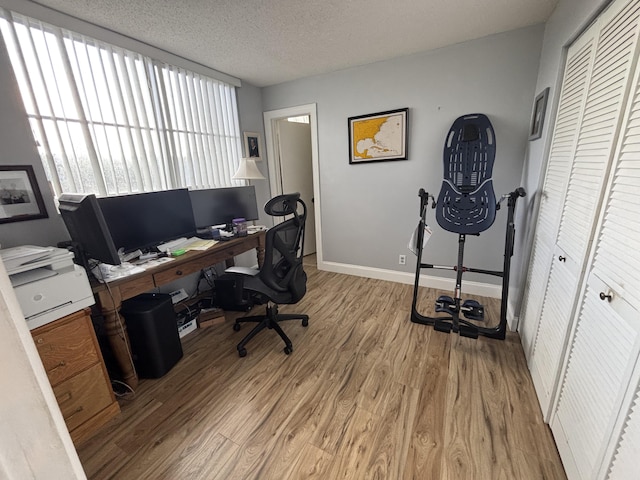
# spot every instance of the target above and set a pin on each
(144, 220)
(216, 206)
(87, 227)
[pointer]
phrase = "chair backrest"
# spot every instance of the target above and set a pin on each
(467, 203)
(282, 268)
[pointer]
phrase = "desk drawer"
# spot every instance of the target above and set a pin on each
(83, 396)
(66, 347)
(178, 271)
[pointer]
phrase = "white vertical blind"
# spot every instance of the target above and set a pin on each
(110, 121)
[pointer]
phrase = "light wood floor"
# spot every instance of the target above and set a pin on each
(366, 394)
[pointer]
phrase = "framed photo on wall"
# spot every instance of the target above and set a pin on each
(378, 137)
(20, 197)
(537, 117)
(252, 147)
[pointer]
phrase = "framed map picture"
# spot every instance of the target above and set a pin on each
(378, 137)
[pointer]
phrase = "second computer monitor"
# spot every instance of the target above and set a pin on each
(145, 220)
(218, 206)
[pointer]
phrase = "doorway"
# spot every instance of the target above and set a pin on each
(292, 148)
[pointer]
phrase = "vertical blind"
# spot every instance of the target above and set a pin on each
(110, 121)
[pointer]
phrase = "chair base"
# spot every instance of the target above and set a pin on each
(269, 320)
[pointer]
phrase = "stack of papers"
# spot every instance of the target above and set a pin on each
(105, 273)
(199, 244)
(193, 243)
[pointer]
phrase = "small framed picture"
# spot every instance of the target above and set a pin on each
(20, 197)
(252, 146)
(378, 137)
(537, 118)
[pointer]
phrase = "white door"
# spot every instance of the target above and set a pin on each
(574, 87)
(617, 36)
(294, 145)
(624, 463)
(605, 346)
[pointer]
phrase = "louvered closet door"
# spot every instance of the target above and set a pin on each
(570, 109)
(615, 55)
(624, 464)
(594, 396)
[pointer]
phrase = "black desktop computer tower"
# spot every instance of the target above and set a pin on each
(230, 294)
(153, 332)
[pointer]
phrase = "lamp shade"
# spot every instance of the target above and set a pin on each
(248, 170)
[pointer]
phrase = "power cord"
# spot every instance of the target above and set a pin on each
(123, 336)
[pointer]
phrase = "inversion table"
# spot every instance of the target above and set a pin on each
(466, 206)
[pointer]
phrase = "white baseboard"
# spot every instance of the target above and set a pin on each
(473, 288)
(512, 319)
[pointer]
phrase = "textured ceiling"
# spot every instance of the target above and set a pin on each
(268, 42)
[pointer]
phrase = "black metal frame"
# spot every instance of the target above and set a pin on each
(453, 322)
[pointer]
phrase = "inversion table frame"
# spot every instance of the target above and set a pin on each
(467, 206)
(453, 322)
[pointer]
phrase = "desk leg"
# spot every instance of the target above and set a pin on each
(260, 251)
(116, 331)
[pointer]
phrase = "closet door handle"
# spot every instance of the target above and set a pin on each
(608, 297)
(562, 259)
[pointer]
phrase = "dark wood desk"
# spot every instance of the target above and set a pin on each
(109, 297)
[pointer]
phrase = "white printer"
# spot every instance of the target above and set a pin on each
(47, 283)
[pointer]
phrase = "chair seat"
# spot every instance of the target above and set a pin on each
(254, 284)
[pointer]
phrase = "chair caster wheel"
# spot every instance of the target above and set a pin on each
(288, 350)
(242, 352)
(236, 328)
(305, 323)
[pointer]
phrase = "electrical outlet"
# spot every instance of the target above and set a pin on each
(402, 259)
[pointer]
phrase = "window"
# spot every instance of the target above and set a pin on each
(109, 121)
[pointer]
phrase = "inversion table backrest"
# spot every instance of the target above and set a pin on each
(467, 203)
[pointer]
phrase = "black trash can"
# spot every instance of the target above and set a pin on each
(153, 332)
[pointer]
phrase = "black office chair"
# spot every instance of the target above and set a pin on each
(281, 280)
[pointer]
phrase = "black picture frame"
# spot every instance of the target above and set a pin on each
(252, 145)
(20, 197)
(537, 117)
(387, 145)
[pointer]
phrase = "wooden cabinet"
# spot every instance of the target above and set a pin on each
(71, 357)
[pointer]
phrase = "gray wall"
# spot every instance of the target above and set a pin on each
(250, 113)
(369, 210)
(18, 148)
(567, 21)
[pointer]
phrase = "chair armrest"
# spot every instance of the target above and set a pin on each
(251, 272)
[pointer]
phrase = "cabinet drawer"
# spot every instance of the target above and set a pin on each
(83, 396)
(66, 347)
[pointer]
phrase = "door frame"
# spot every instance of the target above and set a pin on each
(273, 159)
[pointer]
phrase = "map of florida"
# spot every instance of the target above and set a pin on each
(378, 137)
